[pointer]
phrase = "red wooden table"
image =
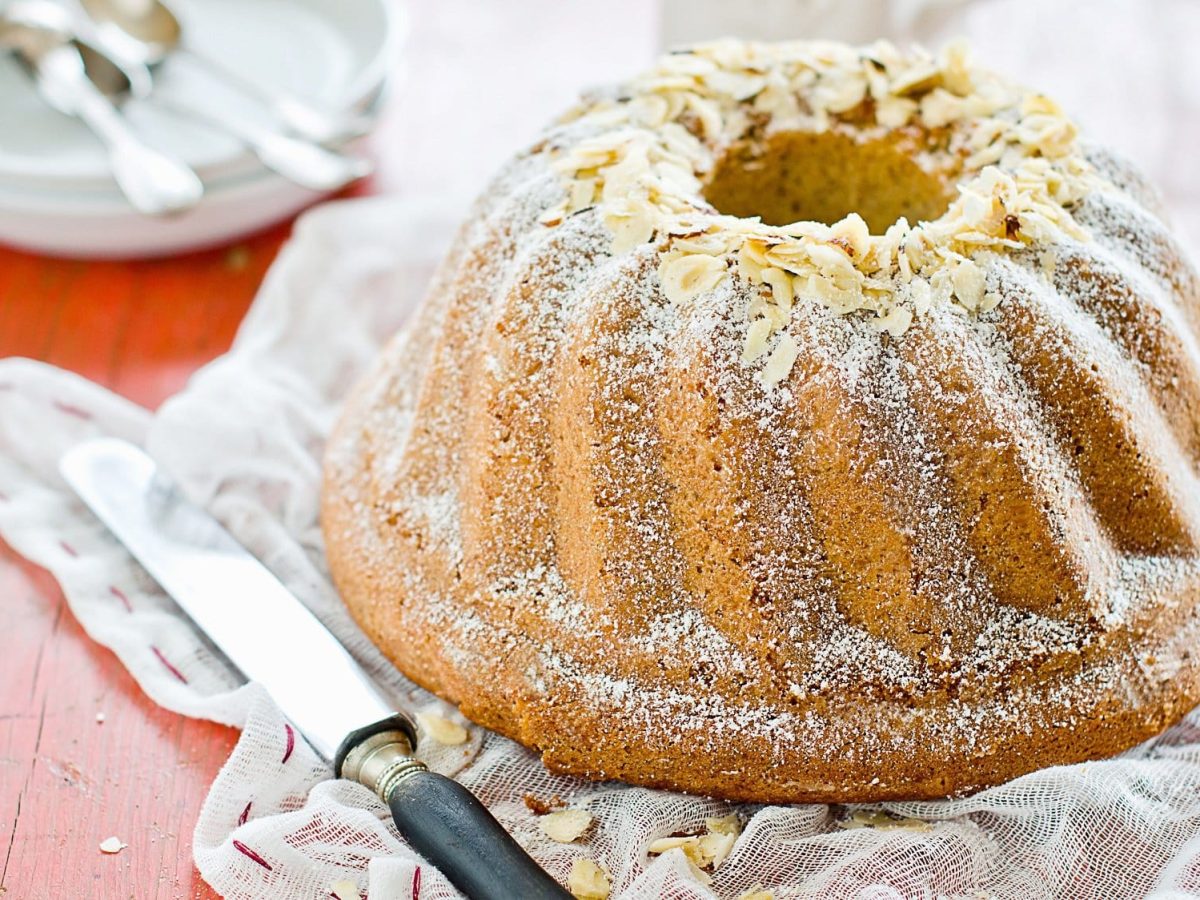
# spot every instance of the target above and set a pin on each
(67, 781)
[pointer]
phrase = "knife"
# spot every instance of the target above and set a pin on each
(274, 640)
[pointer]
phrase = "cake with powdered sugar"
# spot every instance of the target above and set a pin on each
(794, 422)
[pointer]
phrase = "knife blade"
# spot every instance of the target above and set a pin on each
(273, 639)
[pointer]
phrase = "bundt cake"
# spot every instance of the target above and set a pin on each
(794, 422)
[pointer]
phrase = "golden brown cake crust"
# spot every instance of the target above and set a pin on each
(912, 562)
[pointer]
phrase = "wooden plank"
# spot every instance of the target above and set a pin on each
(67, 782)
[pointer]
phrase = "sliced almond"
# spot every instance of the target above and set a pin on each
(442, 730)
(716, 847)
(757, 335)
(565, 826)
(779, 363)
(708, 850)
(781, 286)
(687, 276)
(881, 820)
(664, 845)
(588, 881)
(1009, 155)
(969, 284)
(729, 824)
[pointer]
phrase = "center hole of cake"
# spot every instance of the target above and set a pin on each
(806, 177)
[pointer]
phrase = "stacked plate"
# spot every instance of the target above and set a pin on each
(57, 194)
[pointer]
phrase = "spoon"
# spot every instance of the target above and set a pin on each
(302, 162)
(147, 31)
(155, 183)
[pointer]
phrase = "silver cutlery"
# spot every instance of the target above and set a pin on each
(154, 182)
(147, 31)
(274, 640)
(302, 162)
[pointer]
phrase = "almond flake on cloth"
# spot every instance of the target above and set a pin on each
(445, 731)
(588, 881)
(565, 826)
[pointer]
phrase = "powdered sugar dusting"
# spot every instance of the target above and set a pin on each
(566, 503)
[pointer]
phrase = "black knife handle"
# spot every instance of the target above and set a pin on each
(448, 826)
(441, 819)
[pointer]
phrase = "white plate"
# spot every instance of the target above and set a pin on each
(103, 228)
(57, 195)
(336, 52)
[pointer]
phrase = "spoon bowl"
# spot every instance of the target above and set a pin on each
(150, 29)
(108, 77)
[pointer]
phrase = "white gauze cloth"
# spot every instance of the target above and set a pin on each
(244, 439)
